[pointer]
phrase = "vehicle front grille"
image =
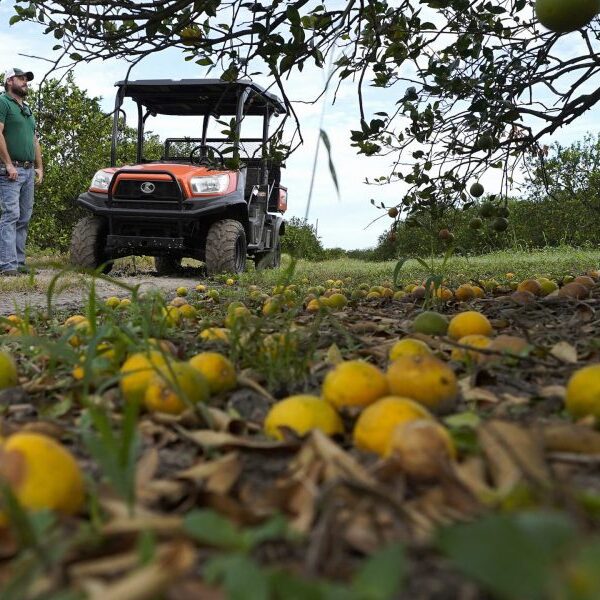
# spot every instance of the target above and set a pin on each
(131, 189)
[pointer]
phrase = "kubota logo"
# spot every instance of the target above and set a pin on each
(147, 187)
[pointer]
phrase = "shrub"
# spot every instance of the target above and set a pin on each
(301, 240)
(552, 222)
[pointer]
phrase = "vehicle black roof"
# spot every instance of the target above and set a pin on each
(198, 96)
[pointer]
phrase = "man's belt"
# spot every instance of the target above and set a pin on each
(25, 164)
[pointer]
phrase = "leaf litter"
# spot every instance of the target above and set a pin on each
(216, 508)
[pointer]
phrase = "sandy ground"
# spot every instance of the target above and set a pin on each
(77, 289)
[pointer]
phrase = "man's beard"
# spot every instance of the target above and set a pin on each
(22, 92)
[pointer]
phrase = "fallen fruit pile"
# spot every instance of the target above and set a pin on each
(339, 418)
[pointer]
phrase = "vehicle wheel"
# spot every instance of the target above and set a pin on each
(167, 265)
(269, 260)
(225, 247)
(88, 244)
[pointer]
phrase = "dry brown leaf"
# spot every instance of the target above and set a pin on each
(106, 565)
(513, 454)
(159, 524)
(569, 437)
(145, 470)
(552, 391)
(478, 394)
(217, 476)
(217, 439)
(150, 581)
(471, 473)
(565, 352)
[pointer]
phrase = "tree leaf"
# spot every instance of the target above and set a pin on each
(382, 576)
(327, 143)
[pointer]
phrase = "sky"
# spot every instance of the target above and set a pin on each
(344, 221)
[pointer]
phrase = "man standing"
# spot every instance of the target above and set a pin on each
(20, 163)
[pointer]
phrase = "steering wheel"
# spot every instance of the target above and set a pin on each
(203, 158)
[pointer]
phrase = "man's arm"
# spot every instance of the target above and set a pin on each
(5, 156)
(39, 166)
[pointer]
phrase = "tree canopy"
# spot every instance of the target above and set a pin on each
(473, 84)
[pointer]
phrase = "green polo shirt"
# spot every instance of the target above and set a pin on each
(19, 128)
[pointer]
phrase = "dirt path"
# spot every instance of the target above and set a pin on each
(77, 288)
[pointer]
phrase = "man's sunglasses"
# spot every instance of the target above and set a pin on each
(26, 111)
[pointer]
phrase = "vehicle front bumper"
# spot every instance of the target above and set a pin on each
(190, 209)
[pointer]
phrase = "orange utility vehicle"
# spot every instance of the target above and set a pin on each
(189, 203)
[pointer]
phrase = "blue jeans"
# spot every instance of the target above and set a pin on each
(16, 203)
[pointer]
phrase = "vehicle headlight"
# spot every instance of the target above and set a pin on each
(211, 184)
(101, 180)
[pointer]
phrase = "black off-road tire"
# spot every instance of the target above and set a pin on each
(226, 247)
(167, 265)
(269, 260)
(88, 244)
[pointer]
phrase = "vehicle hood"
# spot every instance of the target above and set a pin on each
(181, 171)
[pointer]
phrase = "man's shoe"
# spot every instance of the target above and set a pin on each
(9, 273)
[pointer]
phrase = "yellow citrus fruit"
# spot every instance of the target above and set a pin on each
(548, 286)
(530, 285)
(187, 311)
(313, 305)
(469, 323)
(562, 16)
(354, 383)
(372, 295)
(112, 302)
(8, 371)
(425, 379)
(398, 295)
(163, 346)
(337, 301)
(275, 344)
(477, 291)
(217, 369)
(230, 281)
(302, 413)
(237, 314)
(421, 448)
(377, 421)
(124, 304)
(136, 373)
(583, 393)
(181, 291)
(430, 323)
(42, 473)
(464, 292)
(200, 288)
(444, 294)
(474, 340)
(75, 320)
(171, 316)
(408, 347)
(215, 334)
(175, 389)
(272, 306)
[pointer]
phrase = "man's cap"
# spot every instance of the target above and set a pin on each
(12, 72)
